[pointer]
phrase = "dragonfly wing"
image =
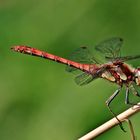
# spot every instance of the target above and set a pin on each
(85, 78)
(81, 55)
(110, 47)
(125, 58)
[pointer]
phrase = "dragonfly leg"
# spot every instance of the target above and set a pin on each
(127, 97)
(135, 92)
(113, 96)
(133, 137)
(108, 105)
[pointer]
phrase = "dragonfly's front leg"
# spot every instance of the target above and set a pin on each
(113, 96)
(108, 105)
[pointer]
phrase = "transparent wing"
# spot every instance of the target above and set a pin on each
(81, 55)
(110, 47)
(125, 58)
(85, 78)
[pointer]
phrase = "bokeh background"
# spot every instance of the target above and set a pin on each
(38, 99)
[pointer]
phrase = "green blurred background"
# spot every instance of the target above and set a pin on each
(38, 99)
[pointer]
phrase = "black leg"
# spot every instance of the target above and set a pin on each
(112, 96)
(134, 91)
(127, 97)
(108, 105)
(131, 129)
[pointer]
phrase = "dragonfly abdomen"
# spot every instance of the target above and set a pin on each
(39, 53)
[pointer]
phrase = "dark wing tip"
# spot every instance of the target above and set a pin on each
(121, 39)
(12, 48)
(84, 47)
(114, 38)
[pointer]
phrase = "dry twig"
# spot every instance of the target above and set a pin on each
(111, 123)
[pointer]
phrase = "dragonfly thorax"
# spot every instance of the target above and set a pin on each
(120, 73)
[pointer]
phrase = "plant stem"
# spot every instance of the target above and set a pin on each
(111, 123)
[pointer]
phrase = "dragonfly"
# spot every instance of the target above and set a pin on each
(88, 68)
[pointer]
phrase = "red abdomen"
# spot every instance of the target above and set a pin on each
(39, 53)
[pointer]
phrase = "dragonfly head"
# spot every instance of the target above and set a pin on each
(137, 76)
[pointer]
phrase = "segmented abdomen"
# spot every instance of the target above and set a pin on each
(39, 53)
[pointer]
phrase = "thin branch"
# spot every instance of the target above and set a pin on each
(111, 123)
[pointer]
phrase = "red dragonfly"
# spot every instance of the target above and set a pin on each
(115, 70)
